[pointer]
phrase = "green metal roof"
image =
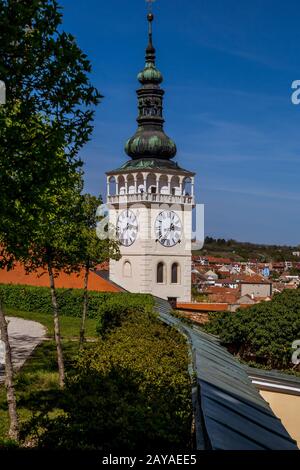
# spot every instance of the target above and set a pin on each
(150, 164)
(234, 416)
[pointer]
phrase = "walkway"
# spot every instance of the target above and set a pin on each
(24, 336)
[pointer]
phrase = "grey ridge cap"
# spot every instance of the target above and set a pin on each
(274, 381)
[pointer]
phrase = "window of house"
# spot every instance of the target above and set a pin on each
(160, 273)
(127, 272)
(174, 273)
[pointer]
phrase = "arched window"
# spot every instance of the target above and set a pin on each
(112, 186)
(187, 186)
(175, 186)
(130, 184)
(122, 188)
(140, 183)
(163, 185)
(174, 273)
(160, 273)
(151, 182)
(127, 272)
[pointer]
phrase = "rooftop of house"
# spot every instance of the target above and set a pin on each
(222, 294)
(69, 281)
(230, 414)
(274, 380)
(214, 259)
(244, 279)
(235, 416)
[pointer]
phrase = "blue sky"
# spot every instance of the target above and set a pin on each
(228, 68)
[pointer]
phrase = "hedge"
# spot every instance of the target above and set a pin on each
(116, 308)
(38, 299)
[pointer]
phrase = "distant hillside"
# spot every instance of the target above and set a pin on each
(243, 251)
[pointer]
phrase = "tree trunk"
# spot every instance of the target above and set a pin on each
(9, 382)
(60, 358)
(85, 303)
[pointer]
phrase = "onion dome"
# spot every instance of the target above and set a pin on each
(150, 75)
(150, 143)
(150, 140)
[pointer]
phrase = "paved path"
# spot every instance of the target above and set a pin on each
(24, 336)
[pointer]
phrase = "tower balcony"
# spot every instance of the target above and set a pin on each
(151, 187)
(151, 197)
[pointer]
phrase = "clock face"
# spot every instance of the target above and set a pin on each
(168, 228)
(127, 228)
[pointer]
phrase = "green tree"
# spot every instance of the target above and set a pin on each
(47, 119)
(13, 432)
(49, 110)
(53, 246)
(92, 250)
(263, 333)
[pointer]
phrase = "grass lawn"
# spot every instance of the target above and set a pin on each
(69, 325)
(39, 374)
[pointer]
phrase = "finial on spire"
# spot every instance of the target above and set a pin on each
(150, 5)
(150, 51)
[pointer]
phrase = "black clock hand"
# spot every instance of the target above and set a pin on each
(165, 234)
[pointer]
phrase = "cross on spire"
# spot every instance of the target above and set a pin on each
(150, 2)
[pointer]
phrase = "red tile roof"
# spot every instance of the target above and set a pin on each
(244, 278)
(222, 294)
(215, 260)
(103, 266)
(70, 281)
(203, 306)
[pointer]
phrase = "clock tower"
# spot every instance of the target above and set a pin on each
(150, 199)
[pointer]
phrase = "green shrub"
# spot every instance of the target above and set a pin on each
(38, 299)
(130, 391)
(263, 333)
(112, 312)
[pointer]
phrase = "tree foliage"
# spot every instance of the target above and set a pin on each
(263, 333)
(47, 117)
(116, 308)
(92, 250)
(243, 251)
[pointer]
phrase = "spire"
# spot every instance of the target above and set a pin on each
(150, 74)
(150, 141)
(150, 51)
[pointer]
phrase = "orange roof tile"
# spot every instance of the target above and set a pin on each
(203, 306)
(214, 259)
(103, 266)
(69, 281)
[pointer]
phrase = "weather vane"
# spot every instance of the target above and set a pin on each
(150, 5)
